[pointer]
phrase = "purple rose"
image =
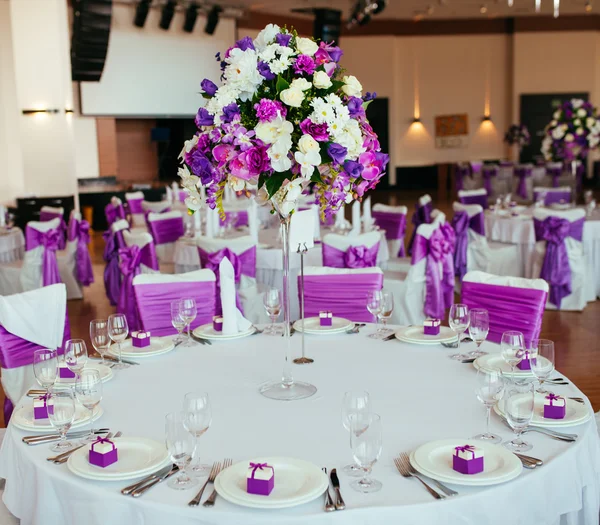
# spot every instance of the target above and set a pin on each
(304, 65)
(316, 131)
(353, 169)
(265, 71)
(355, 107)
(230, 112)
(204, 143)
(266, 110)
(244, 44)
(257, 160)
(337, 152)
(200, 165)
(283, 39)
(209, 87)
(204, 118)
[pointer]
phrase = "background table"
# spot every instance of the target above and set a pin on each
(420, 394)
(12, 245)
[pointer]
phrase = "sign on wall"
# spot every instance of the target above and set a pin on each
(452, 131)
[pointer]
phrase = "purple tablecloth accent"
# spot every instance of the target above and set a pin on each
(345, 295)
(166, 230)
(50, 241)
(153, 300)
(422, 215)
(241, 219)
(553, 197)
(353, 257)
(555, 173)
(481, 199)
(523, 172)
(510, 308)
(135, 206)
(80, 231)
(460, 172)
(394, 225)
(489, 171)
(461, 224)
(114, 213)
(112, 274)
(556, 270)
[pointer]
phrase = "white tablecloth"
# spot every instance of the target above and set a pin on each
(520, 231)
(420, 394)
(12, 245)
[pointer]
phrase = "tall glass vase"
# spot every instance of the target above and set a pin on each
(287, 389)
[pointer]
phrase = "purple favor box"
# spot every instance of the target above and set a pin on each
(525, 363)
(217, 323)
(555, 407)
(64, 372)
(325, 318)
(140, 339)
(431, 326)
(260, 479)
(103, 453)
(467, 460)
(40, 409)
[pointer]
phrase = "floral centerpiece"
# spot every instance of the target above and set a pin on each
(518, 135)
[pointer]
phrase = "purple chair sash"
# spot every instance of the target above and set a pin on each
(241, 219)
(553, 197)
(353, 257)
(131, 259)
(166, 230)
(506, 164)
(46, 216)
(181, 195)
(482, 200)
(489, 171)
(135, 206)
(555, 173)
(461, 224)
(343, 294)
(523, 172)
(510, 308)
(112, 274)
(153, 300)
(394, 225)
(460, 172)
(114, 213)
(50, 241)
(422, 215)
(80, 231)
(448, 263)
(556, 270)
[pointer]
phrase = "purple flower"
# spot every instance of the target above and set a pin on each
(316, 131)
(283, 39)
(265, 71)
(353, 169)
(371, 169)
(204, 118)
(204, 143)
(257, 160)
(200, 166)
(361, 187)
(304, 65)
(335, 53)
(381, 160)
(337, 153)
(370, 96)
(330, 68)
(209, 87)
(266, 110)
(244, 44)
(230, 113)
(328, 53)
(355, 107)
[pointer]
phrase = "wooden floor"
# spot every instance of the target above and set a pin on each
(576, 334)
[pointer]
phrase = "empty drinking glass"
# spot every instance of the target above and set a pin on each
(374, 307)
(513, 348)
(198, 417)
(272, 304)
(188, 312)
(458, 319)
(76, 355)
(479, 326)
(387, 308)
(88, 390)
(180, 445)
(99, 336)
(355, 406)
(489, 389)
(366, 444)
(45, 367)
(519, 403)
(61, 413)
(118, 330)
(542, 361)
(177, 321)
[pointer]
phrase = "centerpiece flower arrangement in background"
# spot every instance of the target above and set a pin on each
(517, 135)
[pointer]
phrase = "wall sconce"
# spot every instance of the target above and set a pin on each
(39, 111)
(486, 118)
(68, 111)
(416, 120)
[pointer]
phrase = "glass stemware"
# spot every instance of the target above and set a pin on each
(479, 326)
(458, 320)
(489, 390)
(88, 390)
(61, 413)
(180, 444)
(387, 308)
(519, 403)
(177, 321)
(272, 304)
(45, 367)
(512, 348)
(355, 406)
(118, 330)
(76, 355)
(188, 312)
(366, 443)
(99, 336)
(374, 307)
(198, 417)
(542, 361)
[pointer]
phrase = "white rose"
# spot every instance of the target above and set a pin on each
(581, 112)
(579, 131)
(292, 97)
(557, 133)
(589, 122)
(577, 102)
(556, 114)
(577, 122)
(553, 123)
(306, 46)
(321, 80)
(266, 36)
(569, 137)
(352, 87)
(300, 83)
(307, 143)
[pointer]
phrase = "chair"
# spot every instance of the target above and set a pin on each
(468, 175)
(39, 267)
(113, 242)
(156, 207)
(348, 251)
(240, 217)
(114, 211)
(490, 173)
(48, 213)
(503, 182)
(422, 215)
(560, 195)
(479, 196)
(134, 202)
(75, 264)
(166, 228)
(392, 219)
(343, 291)
(155, 292)
(554, 170)
(145, 242)
(523, 183)
(558, 256)
(513, 303)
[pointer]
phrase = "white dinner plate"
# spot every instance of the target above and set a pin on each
(136, 457)
(496, 362)
(157, 346)
(312, 325)
(575, 413)
(106, 374)
(296, 482)
(414, 334)
(435, 460)
(22, 418)
(206, 331)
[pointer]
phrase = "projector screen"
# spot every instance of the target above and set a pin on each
(150, 72)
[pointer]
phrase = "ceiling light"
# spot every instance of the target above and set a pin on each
(166, 17)
(212, 19)
(510, 3)
(141, 13)
(538, 5)
(191, 13)
(556, 8)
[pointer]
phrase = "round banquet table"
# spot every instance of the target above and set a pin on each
(420, 394)
(519, 230)
(12, 245)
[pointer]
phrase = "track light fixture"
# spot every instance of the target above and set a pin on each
(141, 12)
(166, 16)
(362, 11)
(212, 19)
(191, 13)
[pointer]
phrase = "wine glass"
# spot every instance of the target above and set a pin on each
(357, 406)
(118, 330)
(99, 337)
(198, 417)
(387, 307)
(366, 444)
(177, 322)
(513, 349)
(76, 355)
(88, 390)
(272, 304)
(519, 403)
(479, 326)
(188, 312)
(542, 361)
(459, 321)
(61, 413)
(374, 308)
(180, 444)
(45, 367)
(489, 389)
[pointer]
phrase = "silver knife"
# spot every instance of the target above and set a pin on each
(159, 473)
(49, 439)
(339, 504)
(140, 490)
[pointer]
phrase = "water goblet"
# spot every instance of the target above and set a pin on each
(198, 417)
(459, 321)
(99, 336)
(180, 444)
(118, 330)
(45, 367)
(489, 389)
(374, 307)
(76, 355)
(355, 406)
(519, 403)
(542, 361)
(188, 312)
(512, 348)
(88, 390)
(366, 444)
(177, 322)
(272, 304)
(387, 308)
(61, 413)
(479, 326)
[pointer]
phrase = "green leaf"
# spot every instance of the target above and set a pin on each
(366, 104)
(282, 84)
(336, 85)
(274, 182)
(325, 158)
(316, 177)
(262, 178)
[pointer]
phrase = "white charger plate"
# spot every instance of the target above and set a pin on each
(137, 457)
(157, 346)
(575, 413)
(491, 362)
(22, 418)
(206, 331)
(106, 374)
(414, 334)
(434, 459)
(312, 325)
(296, 482)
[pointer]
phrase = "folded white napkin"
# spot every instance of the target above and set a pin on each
(356, 215)
(340, 216)
(367, 217)
(20, 315)
(253, 220)
(233, 320)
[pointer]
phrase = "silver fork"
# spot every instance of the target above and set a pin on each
(211, 499)
(446, 490)
(404, 470)
(216, 468)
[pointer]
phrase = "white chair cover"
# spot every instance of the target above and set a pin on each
(165, 251)
(67, 263)
(137, 217)
(393, 244)
(155, 207)
(52, 209)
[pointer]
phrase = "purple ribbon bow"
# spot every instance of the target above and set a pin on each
(460, 173)
(466, 448)
(112, 275)
(523, 173)
(258, 466)
(213, 260)
(552, 398)
(131, 259)
(555, 173)
(488, 173)
(360, 257)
